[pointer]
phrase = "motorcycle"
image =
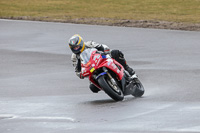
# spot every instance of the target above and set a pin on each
(109, 75)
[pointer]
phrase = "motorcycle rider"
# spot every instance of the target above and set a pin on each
(77, 45)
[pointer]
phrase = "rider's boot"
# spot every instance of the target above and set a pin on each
(127, 76)
(93, 88)
(132, 73)
(130, 70)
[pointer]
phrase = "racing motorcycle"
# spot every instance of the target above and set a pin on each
(109, 75)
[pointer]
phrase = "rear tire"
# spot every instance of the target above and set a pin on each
(104, 82)
(139, 90)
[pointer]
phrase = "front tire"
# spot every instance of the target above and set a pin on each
(105, 84)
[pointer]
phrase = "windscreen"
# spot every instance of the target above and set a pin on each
(85, 55)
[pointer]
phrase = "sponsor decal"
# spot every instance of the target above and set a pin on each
(88, 64)
(96, 57)
(83, 70)
(109, 63)
(86, 74)
(114, 66)
(118, 70)
(92, 69)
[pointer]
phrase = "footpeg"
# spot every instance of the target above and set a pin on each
(134, 76)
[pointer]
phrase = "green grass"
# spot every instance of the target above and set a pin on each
(159, 10)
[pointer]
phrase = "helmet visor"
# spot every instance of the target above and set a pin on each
(76, 48)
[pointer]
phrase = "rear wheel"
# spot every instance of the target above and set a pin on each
(139, 88)
(114, 91)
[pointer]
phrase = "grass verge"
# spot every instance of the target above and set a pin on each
(170, 14)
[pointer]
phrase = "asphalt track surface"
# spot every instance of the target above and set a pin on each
(39, 91)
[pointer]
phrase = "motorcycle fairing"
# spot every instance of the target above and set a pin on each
(97, 61)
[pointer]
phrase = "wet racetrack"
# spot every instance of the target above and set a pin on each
(39, 91)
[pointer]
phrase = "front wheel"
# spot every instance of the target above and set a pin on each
(113, 91)
(139, 88)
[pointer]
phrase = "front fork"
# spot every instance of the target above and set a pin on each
(113, 82)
